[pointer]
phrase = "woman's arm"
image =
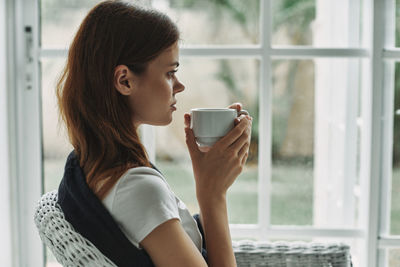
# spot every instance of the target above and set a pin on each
(215, 171)
(214, 218)
(169, 245)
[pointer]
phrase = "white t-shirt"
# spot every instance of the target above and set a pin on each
(141, 200)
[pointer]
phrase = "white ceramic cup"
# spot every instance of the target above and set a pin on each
(211, 124)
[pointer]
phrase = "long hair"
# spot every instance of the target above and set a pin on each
(97, 117)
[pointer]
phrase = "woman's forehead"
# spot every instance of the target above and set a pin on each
(168, 58)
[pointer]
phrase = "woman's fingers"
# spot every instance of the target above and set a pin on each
(235, 133)
(243, 149)
(191, 144)
(187, 119)
(244, 123)
(204, 148)
(237, 106)
(244, 158)
(242, 140)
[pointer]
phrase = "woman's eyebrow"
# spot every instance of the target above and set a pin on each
(176, 63)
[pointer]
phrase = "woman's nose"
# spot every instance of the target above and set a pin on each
(178, 87)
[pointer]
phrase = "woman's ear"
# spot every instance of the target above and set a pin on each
(123, 80)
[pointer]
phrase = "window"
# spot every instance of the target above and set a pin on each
(324, 161)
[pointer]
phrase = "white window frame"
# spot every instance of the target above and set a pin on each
(25, 131)
(24, 113)
(383, 96)
(6, 258)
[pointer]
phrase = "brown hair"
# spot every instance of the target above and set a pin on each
(98, 118)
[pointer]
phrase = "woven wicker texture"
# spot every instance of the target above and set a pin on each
(68, 246)
(250, 253)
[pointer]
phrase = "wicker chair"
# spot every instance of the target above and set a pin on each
(69, 247)
(72, 249)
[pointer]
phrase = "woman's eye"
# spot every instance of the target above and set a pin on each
(171, 73)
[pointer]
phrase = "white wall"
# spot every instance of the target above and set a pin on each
(5, 225)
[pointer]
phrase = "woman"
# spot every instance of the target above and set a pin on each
(121, 73)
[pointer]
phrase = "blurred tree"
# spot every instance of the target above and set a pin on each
(244, 14)
(297, 14)
(226, 75)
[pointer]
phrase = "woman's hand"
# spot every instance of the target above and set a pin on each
(237, 106)
(216, 169)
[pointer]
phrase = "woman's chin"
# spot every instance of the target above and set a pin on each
(160, 121)
(163, 122)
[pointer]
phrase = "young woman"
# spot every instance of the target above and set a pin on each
(121, 73)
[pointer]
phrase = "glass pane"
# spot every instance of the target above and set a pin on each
(318, 23)
(315, 142)
(219, 83)
(395, 206)
(60, 20)
(200, 22)
(216, 22)
(394, 257)
(56, 146)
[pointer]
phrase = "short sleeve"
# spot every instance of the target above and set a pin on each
(141, 203)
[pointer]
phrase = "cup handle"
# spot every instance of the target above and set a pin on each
(243, 111)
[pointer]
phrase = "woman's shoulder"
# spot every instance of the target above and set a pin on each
(142, 175)
(142, 186)
(140, 181)
(142, 170)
